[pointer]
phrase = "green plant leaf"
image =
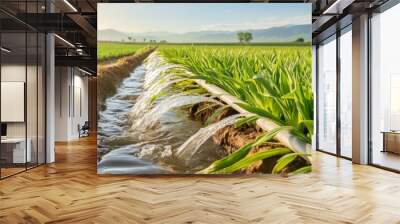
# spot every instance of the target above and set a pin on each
(309, 125)
(283, 162)
(246, 120)
(216, 113)
(228, 160)
(302, 170)
(247, 161)
(242, 152)
(206, 108)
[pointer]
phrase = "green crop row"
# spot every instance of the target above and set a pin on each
(113, 50)
(273, 82)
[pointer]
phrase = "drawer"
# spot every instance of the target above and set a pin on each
(392, 142)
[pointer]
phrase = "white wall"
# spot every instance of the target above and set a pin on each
(12, 73)
(71, 94)
(80, 110)
(62, 81)
(33, 126)
(16, 73)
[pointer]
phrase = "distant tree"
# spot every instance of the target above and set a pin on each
(248, 37)
(144, 39)
(300, 40)
(130, 39)
(134, 40)
(163, 41)
(244, 37)
(240, 36)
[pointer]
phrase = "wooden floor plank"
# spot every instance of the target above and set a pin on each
(70, 191)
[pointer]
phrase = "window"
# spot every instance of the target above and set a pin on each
(346, 92)
(385, 89)
(327, 95)
(22, 77)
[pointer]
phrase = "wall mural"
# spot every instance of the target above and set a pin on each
(204, 88)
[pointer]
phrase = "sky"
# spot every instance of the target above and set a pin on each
(187, 17)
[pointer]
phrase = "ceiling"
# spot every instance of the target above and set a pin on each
(75, 21)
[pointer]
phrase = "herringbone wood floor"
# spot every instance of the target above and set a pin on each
(70, 191)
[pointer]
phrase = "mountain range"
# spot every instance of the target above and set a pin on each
(274, 34)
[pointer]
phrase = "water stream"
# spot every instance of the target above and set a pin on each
(136, 137)
(194, 143)
(151, 117)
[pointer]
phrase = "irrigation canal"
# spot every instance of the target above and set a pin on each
(136, 139)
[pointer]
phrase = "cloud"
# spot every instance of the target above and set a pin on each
(261, 24)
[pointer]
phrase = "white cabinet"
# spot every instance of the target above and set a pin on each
(17, 148)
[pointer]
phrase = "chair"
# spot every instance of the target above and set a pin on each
(84, 130)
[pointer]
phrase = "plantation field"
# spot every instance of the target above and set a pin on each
(259, 46)
(113, 50)
(274, 82)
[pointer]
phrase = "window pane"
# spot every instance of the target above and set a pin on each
(346, 94)
(385, 92)
(31, 97)
(14, 153)
(327, 96)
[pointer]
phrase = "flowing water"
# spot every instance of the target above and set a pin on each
(143, 102)
(194, 143)
(150, 118)
(135, 137)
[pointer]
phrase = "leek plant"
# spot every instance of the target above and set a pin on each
(273, 82)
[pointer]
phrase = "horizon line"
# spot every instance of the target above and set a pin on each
(201, 30)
